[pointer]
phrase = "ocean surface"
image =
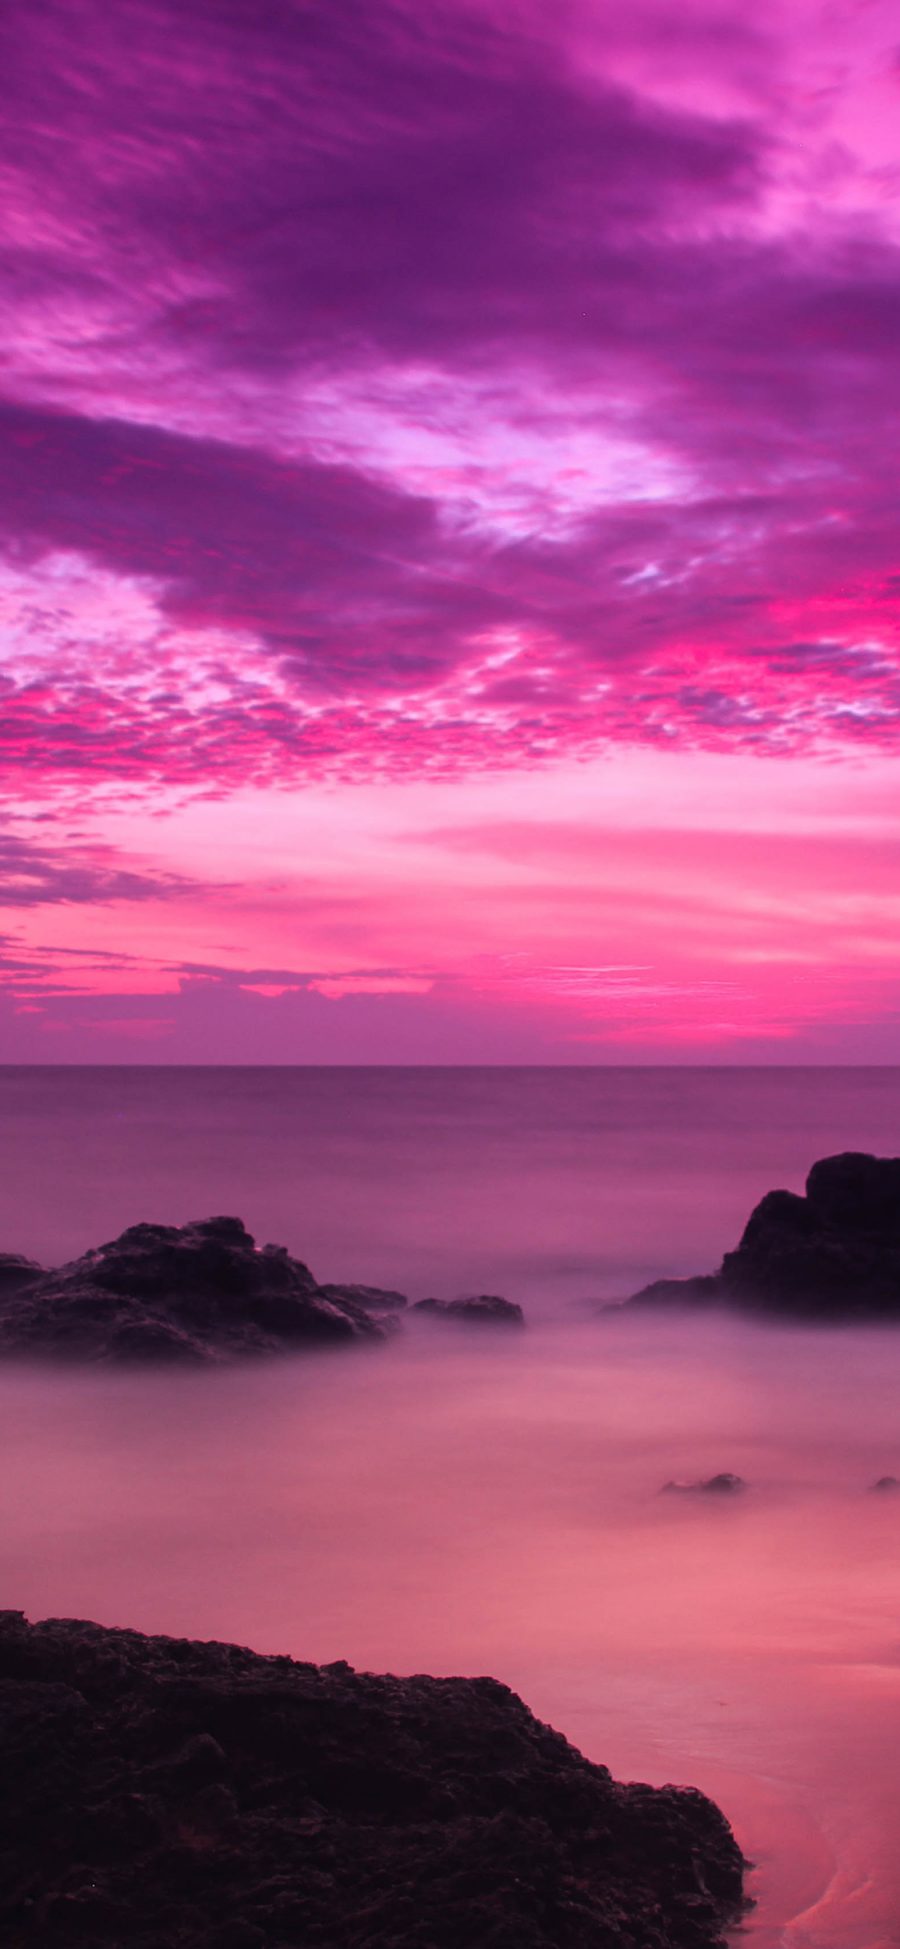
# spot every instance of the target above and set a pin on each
(456, 1502)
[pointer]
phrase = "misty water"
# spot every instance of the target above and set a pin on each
(464, 1502)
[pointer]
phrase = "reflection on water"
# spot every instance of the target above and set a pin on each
(449, 1504)
(453, 1503)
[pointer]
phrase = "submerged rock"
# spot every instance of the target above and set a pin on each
(162, 1793)
(724, 1484)
(189, 1293)
(482, 1309)
(833, 1254)
(886, 1485)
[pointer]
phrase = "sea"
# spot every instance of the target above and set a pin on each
(461, 1501)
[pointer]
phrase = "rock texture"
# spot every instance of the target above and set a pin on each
(833, 1254)
(200, 1292)
(482, 1309)
(171, 1795)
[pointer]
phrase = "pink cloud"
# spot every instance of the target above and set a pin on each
(335, 987)
(379, 926)
(403, 402)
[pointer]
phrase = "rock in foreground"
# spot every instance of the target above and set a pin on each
(172, 1795)
(833, 1254)
(194, 1293)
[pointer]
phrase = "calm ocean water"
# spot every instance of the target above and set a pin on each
(557, 1183)
(447, 1504)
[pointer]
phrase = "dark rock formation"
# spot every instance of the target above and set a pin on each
(192, 1293)
(725, 1484)
(831, 1255)
(171, 1795)
(483, 1309)
(887, 1485)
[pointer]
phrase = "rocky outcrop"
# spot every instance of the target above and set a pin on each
(171, 1795)
(200, 1292)
(833, 1254)
(194, 1293)
(482, 1309)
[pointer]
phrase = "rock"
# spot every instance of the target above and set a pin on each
(16, 1272)
(482, 1309)
(161, 1793)
(886, 1485)
(195, 1293)
(857, 1194)
(833, 1254)
(725, 1484)
(375, 1299)
(704, 1290)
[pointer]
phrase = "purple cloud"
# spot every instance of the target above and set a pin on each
(437, 391)
(32, 875)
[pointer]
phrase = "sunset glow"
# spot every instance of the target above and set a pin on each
(449, 572)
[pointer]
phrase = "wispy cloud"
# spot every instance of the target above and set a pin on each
(35, 875)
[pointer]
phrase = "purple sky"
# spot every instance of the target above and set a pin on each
(449, 532)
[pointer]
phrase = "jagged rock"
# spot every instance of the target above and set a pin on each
(482, 1309)
(172, 1795)
(724, 1484)
(190, 1293)
(831, 1255)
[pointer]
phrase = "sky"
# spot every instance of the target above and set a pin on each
(449, 532)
